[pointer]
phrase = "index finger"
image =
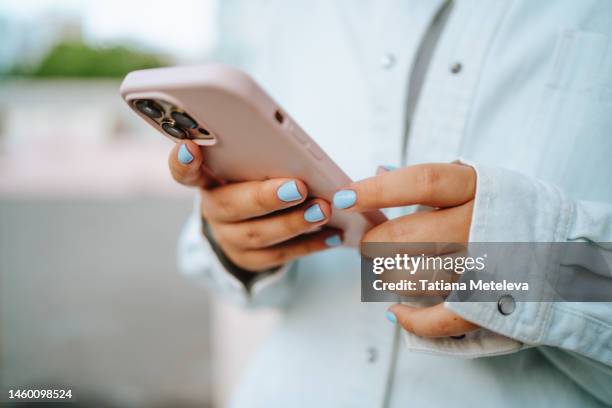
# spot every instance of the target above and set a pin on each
(434, 185)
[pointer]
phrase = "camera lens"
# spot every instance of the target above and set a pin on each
(149, 108)
(173, 130)
(184, 120)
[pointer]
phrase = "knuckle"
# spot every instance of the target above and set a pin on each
(377, 188)
(428, 178)
(259, 198)
(225, 208)
(398, 232)
(390, 231)
(252, 237)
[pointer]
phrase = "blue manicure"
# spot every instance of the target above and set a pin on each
(288, 191)
(314, 214)
(333, 241)
(391, 317)
(184, 155)
(389, 167)
(345, 198)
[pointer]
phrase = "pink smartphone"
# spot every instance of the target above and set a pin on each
(244, 134)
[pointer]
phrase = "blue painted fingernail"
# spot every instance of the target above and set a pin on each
(333, 241)
(184, 155)
(288, 191)
(389, 167)
(391, 317)
(314, 214)
(345, 198)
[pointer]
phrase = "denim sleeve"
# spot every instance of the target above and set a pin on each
(198, 259)
(511, 207)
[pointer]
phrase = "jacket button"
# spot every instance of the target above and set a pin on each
(506, 305)
(387, 61)
(456, 68)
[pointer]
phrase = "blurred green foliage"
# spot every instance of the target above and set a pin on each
(75, 59)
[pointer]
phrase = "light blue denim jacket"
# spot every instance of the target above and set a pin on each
(519, 89)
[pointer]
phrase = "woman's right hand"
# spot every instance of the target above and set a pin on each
(257, 224)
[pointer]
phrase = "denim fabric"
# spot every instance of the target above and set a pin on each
(529, 108)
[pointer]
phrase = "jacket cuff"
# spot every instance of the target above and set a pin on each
(510, 207)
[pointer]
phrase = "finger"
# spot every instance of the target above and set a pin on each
(262, 259)
(435, 321)
(434, 185)
(185, 162)
(275, 228)
(449, 225)
(249, 199)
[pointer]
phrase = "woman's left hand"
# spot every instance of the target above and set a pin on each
(450, 188)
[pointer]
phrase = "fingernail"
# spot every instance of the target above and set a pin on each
(333, 241)
(314, 214)
(288, 191)
(391, 317)
(388, 167)
(184, 155)
(344, 198)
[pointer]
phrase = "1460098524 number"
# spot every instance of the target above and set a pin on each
(30, 394)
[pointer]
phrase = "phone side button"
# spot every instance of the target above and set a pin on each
(297, 134)
(316, 151)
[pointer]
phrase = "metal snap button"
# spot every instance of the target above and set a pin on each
(387, 61)
(456, 68)
(506, 305)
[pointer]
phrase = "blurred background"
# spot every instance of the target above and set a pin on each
(90, 297)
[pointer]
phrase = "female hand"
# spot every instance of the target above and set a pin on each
(257, 224)
(450, 188)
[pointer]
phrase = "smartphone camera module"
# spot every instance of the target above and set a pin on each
(184, 120)
(174, 130)
(174, 121)
(189, 124)
(149, 108)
